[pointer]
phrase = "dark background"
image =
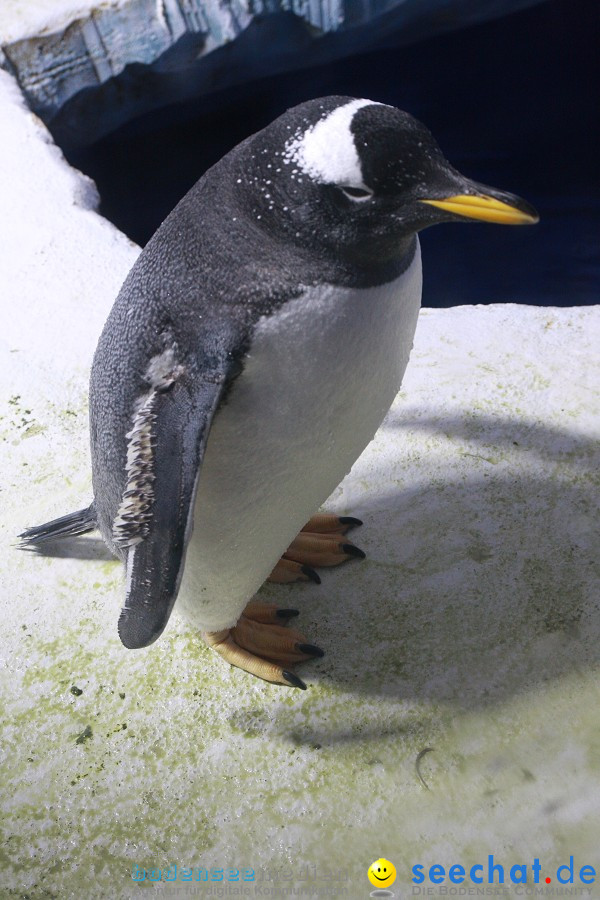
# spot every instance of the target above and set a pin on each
(513, 103)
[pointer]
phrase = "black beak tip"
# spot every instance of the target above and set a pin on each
(524, 207)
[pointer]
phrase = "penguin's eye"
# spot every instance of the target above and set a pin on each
(354, 193)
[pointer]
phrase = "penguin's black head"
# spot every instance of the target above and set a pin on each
(358, 179)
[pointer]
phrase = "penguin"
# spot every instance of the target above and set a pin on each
(249, 358)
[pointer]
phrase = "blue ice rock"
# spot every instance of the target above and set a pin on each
(120, 60)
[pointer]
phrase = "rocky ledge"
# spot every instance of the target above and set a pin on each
(87, 69)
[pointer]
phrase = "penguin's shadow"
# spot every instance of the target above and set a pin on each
(476, 587)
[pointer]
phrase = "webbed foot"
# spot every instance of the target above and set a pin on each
(321, 542)
(260, 644)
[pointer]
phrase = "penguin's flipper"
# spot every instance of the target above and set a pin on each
(154, 522)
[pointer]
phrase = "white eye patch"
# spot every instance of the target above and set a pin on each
(358, 194)
(327, 152)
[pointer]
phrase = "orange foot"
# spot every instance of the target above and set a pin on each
(320, 543)
(259, 643)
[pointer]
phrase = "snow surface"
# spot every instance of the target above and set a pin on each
(472, 630)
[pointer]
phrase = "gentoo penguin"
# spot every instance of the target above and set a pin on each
(249, 358)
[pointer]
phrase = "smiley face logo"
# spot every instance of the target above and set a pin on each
(382, 873)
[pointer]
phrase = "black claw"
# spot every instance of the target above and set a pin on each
(351, 550)
(350, 520)
(311, 649)
(293, 680)
(288, 613)
(310, 573)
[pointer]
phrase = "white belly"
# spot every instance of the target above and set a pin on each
(317, 383)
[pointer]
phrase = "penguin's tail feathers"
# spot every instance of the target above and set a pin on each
(79, 522)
